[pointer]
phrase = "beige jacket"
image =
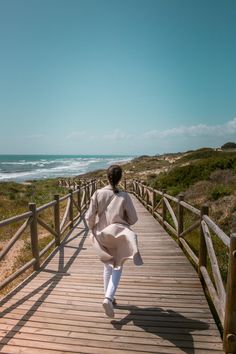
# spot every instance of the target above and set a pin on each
(109, 218)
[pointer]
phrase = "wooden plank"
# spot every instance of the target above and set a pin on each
(88, 332)
(88, 323)
(103, 340)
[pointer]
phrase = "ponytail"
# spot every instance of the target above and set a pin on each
(114, 174)
(114, 188)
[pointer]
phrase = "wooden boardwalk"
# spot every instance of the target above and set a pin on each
(161, 305)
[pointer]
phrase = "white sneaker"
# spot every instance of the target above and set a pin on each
(108, 307)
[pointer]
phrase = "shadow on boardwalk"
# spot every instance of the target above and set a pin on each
(48, 285)
(158, 321)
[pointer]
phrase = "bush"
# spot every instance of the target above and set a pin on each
(229, 145)
(175, 190)
(223, 176)
(152, 175)
(220, 191)
(185, 176)
(203, 153)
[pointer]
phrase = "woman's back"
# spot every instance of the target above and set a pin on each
(110, 208)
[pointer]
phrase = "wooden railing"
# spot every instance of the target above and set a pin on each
(75, 183)
(170, 211)
(63, 219)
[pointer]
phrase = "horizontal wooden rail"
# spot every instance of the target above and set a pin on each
(167, 196)
(13, 276)
(45, 206)
(64, 197)
(191, 208)
(15, 219)
(220, 233)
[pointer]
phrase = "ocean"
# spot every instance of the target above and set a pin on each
(20, 168)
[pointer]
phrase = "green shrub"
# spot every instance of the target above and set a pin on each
(220, 191)
(152, 175)
(229, 145)
(174, 190)
(203, 153)
(185, 176)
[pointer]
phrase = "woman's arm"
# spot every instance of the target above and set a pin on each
(130, 212)
(91, 213)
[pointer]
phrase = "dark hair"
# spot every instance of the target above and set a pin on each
(114, 174)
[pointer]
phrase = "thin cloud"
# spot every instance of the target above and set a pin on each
(117, 135)
(227, 128)
(75, 135)
(37, 136)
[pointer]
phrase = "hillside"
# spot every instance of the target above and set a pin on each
(204, 176)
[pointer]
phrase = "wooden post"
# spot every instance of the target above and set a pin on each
(147, 198)
(164, 209)
(153, 201)
(142, 195)
(90, 189)
(229, 338)
(93, 186)
(180, 215)
(202, 245)
(78, 198)
(57, 219)
(71, 209)
(138, 189)
(134, 187)
(88, 194)
(34, 236)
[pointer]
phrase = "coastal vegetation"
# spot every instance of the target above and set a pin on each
(204, 176)
(14, 197)
(14, 200)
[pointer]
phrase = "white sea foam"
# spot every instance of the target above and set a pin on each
(35, 167)
(14, 176)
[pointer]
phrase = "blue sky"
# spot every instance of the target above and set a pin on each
(118, 77)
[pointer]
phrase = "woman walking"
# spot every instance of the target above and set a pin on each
(110, 214)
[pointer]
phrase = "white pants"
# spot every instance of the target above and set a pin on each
(111, 278)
